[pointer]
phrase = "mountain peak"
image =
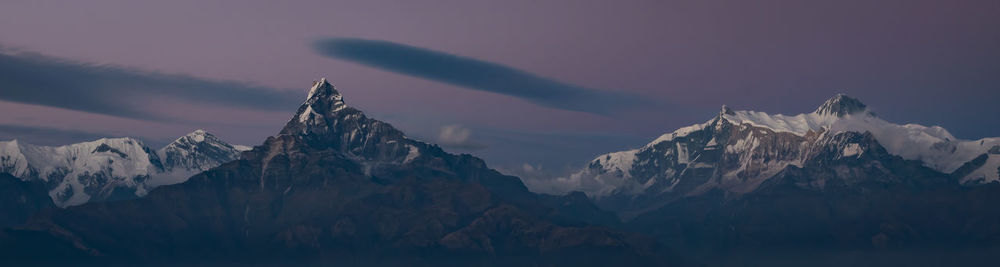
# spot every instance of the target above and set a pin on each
(840, 105)
(324, 101)
(198, 150)
(197, 136)
(726, 111)
(323, 89)
(196, 141)
(324, 121)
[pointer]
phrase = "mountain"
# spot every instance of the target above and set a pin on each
(737, 151)
(836, 181)
(112, 168)
(193, 153)
(336, 187)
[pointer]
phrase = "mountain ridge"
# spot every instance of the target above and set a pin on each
(335, 185)
(933, 146)
(837, 179)
(112, 168)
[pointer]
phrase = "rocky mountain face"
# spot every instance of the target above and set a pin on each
(112, 168)
(836, 177)
(335, 186)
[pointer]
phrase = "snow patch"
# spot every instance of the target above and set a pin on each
(413, 153)
(852, 149)
(618, 162)
(683, 131)
(116, 163)
(988, 173)
(934, 146)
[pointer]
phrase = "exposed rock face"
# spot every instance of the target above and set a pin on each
(337, 186)
(112, 168)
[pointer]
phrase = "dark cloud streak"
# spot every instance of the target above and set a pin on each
(474, 74)
(118, 91)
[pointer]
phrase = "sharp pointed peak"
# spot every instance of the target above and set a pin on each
(322, 88)
(840, 105)
(721, 117)
(196, 136)
(323, 102)
(725, 110)
(841, 97)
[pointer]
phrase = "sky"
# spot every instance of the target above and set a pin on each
(527, 85)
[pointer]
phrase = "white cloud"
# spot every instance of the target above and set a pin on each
(458, 137)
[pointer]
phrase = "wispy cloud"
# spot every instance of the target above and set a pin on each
(474, 74)
(32, 78)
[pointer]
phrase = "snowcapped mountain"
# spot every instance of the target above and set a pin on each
(373, 142)
(837, 177)
(112, 168)
(338, 186)
(736, 151)
(193, 153)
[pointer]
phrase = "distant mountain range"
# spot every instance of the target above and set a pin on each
(113, 168)
(737, 151)
(337, 187)
(333, 187)
(839, 177)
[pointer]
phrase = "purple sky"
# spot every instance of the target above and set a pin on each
(912, 61)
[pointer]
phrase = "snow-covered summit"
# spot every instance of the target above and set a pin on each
(112, 168)
(323, 89)
(933, 145)
(324, 121)
(193, 153)
(323, 99)
(840, 105)
(740, 149)
(836, 109)
(72, 169)
(191, 150)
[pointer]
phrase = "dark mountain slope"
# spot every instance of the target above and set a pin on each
(19, 199)
(872, 201)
